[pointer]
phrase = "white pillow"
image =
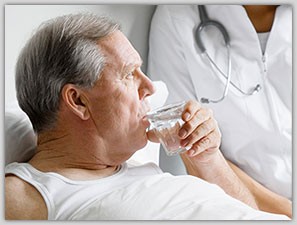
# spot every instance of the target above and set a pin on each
(21, 141)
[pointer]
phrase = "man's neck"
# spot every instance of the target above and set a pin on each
(261, 16)
(71, 157)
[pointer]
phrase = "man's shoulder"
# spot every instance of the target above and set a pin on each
(22, 200)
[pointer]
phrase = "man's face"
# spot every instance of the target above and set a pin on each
(117, 101)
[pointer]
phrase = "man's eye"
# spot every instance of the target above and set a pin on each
(130, 75)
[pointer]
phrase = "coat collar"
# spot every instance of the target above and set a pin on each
(235, 18)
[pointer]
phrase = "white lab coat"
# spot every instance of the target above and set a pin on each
(256, 130)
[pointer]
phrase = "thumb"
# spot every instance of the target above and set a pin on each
(151, 136)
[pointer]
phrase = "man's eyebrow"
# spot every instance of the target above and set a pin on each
(134, 65)
(139, 63)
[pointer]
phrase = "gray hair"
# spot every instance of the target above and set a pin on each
(63, 50)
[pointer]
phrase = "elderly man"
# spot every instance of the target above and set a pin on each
(79, 81)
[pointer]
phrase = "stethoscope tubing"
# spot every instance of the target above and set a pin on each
(206, 21)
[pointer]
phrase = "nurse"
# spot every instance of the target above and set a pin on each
(256, 129)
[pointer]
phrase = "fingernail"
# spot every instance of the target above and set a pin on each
(182, 133)
(188, 148)
(191, 152)
(184, 143)
(187, 116)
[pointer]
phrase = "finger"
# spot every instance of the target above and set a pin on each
(199, 118)
(191, 108)
(207, 144)
(201, 131)
(151, 136)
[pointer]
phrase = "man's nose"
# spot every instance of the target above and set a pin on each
(147, 87)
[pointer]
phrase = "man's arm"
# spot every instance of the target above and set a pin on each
(212, 167)
(204, 158)
(23, 201)
(266, 200)
(237, 183)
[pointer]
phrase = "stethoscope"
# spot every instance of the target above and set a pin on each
(204, 22)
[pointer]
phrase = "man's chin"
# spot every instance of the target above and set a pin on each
(144, 143)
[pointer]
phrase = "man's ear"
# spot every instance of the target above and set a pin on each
(75, 100)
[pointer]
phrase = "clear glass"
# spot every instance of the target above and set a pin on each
(166, 123)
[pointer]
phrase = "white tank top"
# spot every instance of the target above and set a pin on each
(134, 193)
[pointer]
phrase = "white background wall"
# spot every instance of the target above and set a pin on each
(21, 20)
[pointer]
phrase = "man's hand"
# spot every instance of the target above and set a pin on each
(200, 131)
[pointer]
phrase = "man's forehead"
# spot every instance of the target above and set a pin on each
(117, 46)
